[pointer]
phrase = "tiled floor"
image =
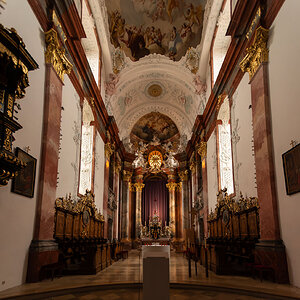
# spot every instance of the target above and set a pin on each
(129, 271)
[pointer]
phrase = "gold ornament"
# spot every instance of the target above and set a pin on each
(55, 54)
(257, 53)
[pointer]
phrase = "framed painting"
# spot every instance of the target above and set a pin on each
(23, 183)
(291, 167)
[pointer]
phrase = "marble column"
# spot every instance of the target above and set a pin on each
(108, 150)
(117, 168)
(183, 190)
(202, 151)
(43, 249)
(139, 185)
(125, 220)
(172, 185)
(270, 249)
(193, 186)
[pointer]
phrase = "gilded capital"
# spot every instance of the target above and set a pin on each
(171, 186)
(193, 166)
(127, 175)
(179, 186)
(109, 150)
(257, 53)
(55, 54)
(183, 175)
(202, 149)
(139, 186)
(117, 167)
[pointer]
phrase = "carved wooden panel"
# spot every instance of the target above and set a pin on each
(219, 227)
(235, 226)
(252, 222)
(60, 224)
(215, 229)
(243, 225)
(92, 228)
(69, 226)
(76, 226)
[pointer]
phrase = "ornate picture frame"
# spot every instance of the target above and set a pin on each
(23, 183)
(291, 168)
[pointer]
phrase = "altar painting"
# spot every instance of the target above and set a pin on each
(167, 27)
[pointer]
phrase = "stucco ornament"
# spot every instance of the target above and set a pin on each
(111, 84)
(192, 60)
(118, 60)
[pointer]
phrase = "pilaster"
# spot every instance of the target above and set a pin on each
(43, 249)
(270, 250)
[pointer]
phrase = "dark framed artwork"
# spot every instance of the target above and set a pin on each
(291, 167)
(23, 183)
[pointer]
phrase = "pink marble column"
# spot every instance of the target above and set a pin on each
(105, 196)
(116, 211)
(205, 195)
(43, 249)
(270, 250)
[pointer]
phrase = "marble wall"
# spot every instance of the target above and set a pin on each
(69, 156)
(212, 173)
(99, 172)
(17, 212)
(242, 140)
(284, 65)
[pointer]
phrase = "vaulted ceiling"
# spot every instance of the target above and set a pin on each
(155, 58)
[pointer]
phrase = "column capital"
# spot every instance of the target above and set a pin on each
(127, 175)
(202, 149)
(55, 54)
(171, 186)
(183, 175)
(139, 186)
(109, 149)
(257, 53)
(117, 167)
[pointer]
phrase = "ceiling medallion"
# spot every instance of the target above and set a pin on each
(154, 90)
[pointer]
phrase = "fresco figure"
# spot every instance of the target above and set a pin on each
(175, 39)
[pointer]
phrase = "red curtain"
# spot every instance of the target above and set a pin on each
(155, 197)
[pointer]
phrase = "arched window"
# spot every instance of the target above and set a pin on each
(224, 148)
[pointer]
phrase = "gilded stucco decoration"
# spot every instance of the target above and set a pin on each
(117, 166)
(85, 201)
(109, 149)
(139, 186)
(202, 149)
(257, 53)
(171, 186)
(183, 175)
(127, 175)
(55, 54)
(224, 200)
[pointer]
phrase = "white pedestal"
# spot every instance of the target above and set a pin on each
(156, 272)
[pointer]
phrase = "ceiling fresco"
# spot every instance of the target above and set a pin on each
(167, 27)
(154, 125)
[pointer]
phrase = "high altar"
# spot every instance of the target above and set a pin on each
(155, 231)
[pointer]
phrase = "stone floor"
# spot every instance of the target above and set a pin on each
(122, 280)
